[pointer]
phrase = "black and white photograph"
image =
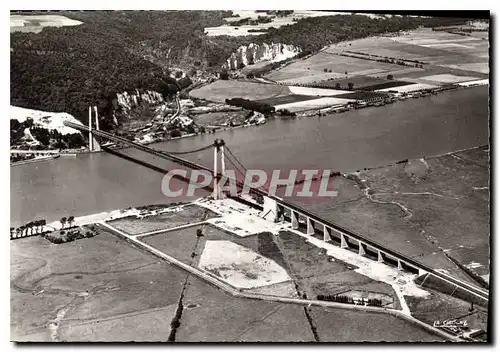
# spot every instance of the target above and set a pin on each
(250, 176)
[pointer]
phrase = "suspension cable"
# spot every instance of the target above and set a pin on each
(235, 158)
(262, 188)
(185, 152)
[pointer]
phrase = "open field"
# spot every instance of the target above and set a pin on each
(341, 326)
(317, 273)
(125, 294)
(313, 104)
(312, 69)
(421, 210)
(188, 214)
(89, 290)
(220, 118)
(409, 88)
(221, 90)
(439, 306)
(246, 262)
(242, 319)
(286, 99)
(36, 23)
(436, 53)
(363, 95)
(424, 45)
(240, 266)
(316, 91)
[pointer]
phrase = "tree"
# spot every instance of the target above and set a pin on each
(34, 225)
(63, 221)
(71, 219)
(350, 85)
(29, 227)
(337, 85)
(325, 70)
(224, 75)
(175, 133)
(43, 222)
(390, 77)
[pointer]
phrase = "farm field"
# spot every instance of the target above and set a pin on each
(244, 319)
(133, 225)
(439, 52)
(337, 325)
(311, 70)
(240, 266)
(220, 118)
(439, 306)
(363, 95)
(313, 104)
(286, 99)
(409, 88)
(36, 23)
(262, 253)
(221, 90)
(92, 285)
(317, 273)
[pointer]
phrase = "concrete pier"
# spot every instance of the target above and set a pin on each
(310, 227)
(343, 242)
(380, 257)
(295, 220)
(326, 234)
(361, 250)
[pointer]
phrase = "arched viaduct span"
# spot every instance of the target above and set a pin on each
(277, 209)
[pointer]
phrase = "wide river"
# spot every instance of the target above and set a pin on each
(92, 183)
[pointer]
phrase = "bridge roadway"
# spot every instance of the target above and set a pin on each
(474, 290)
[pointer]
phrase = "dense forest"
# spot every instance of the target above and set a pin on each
(68, 68)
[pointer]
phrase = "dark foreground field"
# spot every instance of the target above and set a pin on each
(104, 289)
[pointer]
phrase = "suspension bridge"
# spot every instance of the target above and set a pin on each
(276, 209)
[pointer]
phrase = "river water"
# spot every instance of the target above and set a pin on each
(369, 137)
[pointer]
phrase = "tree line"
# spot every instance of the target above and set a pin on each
(375, 302)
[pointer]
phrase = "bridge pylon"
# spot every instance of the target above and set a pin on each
(218, 151)
(94, 145)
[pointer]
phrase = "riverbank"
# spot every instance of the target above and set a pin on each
(34, 160)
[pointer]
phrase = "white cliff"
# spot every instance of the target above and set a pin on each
(128, 101)
(254, 53)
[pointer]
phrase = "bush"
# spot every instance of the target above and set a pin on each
(175, 133)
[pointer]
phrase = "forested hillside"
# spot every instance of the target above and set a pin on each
(68, 68)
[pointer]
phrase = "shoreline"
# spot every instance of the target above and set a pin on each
(325, 111)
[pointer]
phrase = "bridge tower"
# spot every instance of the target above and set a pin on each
(94, 145)
(218, 150)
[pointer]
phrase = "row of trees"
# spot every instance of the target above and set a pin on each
(251, 105)
(67, 220)
(31, 228)
(375, 302)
